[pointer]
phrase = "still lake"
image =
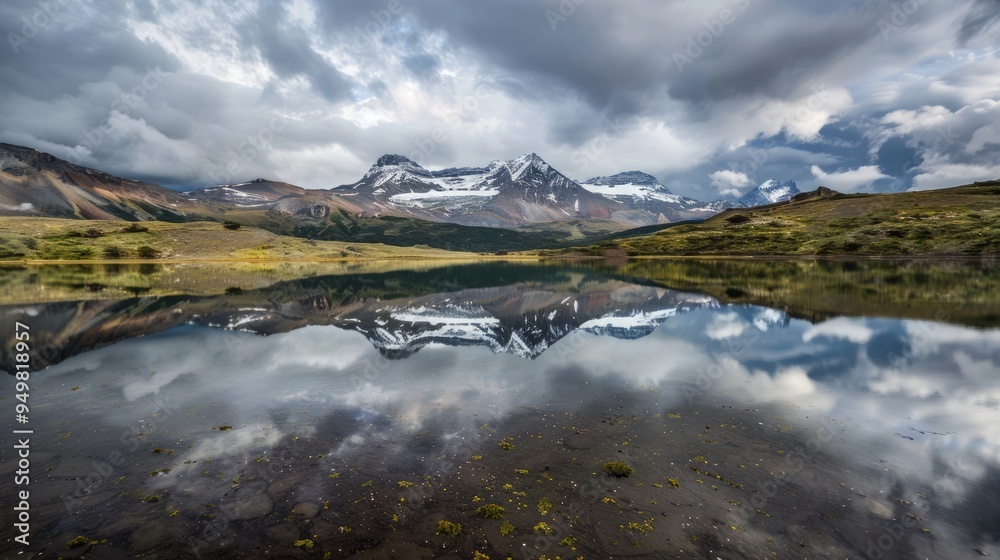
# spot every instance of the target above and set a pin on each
(766, 409)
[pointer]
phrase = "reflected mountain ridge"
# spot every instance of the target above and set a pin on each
(521, 310)
(509, 307)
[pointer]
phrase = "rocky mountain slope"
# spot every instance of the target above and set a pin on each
(34, 183)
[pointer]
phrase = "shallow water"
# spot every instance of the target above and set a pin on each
(349, 413)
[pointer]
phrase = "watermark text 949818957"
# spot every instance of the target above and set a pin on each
(22, 439)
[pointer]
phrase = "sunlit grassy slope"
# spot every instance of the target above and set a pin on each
(957, 221)
(60, 239)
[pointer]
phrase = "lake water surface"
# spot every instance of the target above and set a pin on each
(767, 409)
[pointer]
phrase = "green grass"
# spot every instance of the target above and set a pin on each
(618, 469)
(56, 239)
(412, 232)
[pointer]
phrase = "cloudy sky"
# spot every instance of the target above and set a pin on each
(711, 96)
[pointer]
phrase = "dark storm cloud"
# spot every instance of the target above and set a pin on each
(517, 37)
(285, 47)
(422, 65)
(982, 17)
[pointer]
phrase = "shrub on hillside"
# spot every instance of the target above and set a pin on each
(113, 252)
(147, 252)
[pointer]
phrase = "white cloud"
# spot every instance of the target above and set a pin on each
(851, 180)
(726, 325)
(729, 182)
(954, 174)
(845, 328)
(956, 147)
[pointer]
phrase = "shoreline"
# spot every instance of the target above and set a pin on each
(493, 258)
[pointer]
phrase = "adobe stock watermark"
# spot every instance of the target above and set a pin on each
(44, 15)
(367, 35)
(714, 27)
(122, 105)
(899, 17)
(566, 9)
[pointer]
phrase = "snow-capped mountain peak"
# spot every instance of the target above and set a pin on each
(769, 192)
(524, 163)
(525, 189)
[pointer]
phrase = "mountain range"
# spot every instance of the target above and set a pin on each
(519, 193)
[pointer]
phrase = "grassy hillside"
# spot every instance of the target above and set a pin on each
(957, 221)
(412, 232)
(62, 239)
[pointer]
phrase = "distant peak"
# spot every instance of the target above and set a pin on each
(395, 159)
(769, 192)
(775, 184)
(519, 165)
(625, 177)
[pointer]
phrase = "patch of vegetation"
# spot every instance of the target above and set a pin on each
(542, 528)
(411, 232)
(448, 528)
(305, 544)
(147, 252)
(78, 541)
(66, 251)
(618, 469)
(135, 228)
(491, 511)
(506, 443)
(161, 214)
(544, 506)
(65, 239)
(645, 526)
(231, 225)
(114, 252)
(507, 528)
